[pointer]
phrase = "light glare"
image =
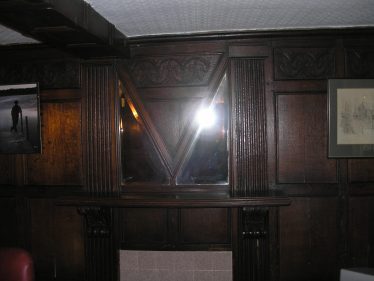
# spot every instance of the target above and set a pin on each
(206, 118)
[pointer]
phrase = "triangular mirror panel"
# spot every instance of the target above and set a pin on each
(207, 161)
(141, 162)
(171, 118)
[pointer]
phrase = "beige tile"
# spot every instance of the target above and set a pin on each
(222, 275)
(203, 260)
(183, 275)
(203, 275)
(184, 261)
(147, 260)
(165, 260)
(129, 260)
(222, 261)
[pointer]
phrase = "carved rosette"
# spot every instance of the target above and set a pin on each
(360, 63)
(183, 70)
(303, 63)
(97, 221)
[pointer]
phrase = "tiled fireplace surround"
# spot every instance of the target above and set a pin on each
(251, 257)
(175, 265)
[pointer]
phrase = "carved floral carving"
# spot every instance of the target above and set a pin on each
(360, 63)
(50, 75)
(255, 223)
(303, 63)
(97, 221)
(173, 70)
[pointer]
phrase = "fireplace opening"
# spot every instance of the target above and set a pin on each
(175, 265)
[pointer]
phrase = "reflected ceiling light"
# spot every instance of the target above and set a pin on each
(206, 118)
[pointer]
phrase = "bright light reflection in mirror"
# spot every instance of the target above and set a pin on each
(206, 118)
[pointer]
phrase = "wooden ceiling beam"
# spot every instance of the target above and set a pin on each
(62, 23)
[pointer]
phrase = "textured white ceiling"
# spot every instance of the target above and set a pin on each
(136, 18)
(159, 17)
(9, 36)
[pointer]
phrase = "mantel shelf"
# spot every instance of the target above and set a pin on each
(183, 200)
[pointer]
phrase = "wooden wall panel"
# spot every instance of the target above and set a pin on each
(56, 241)
(324, 239)
(209, 226)
(9, 223)
(361, 170)
(249, 127)
(308, 244)
(294, 241)
(359, 62)
(361, 231)
(173, 70)
(49, 75)
(302, 140)
(68, 244)
(5, 169)
(42, 238)
(60, 162)
(143, 227)
(100, 129)
(303, 63)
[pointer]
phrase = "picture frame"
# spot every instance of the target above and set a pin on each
(20, 119)
(350, 118)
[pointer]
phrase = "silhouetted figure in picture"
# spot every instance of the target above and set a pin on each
(16, 111)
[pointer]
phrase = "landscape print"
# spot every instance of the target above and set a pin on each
(19, 119)
(355, 116)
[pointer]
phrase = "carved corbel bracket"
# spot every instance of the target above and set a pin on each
(255, 223)
(97, 221)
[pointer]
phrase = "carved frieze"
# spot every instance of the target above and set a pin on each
(360, 63)
(303, 63)
(182, 70)
(51, 75)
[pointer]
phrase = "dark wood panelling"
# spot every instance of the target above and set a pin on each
(302, 140)
(99, 129)
(360, 62)
(182, 70)
(60, 162)
(50, 75)
(42, 238)
(254, 244)
(308, 245)
(8, 219)
(249, 126)
(205, 226)
(361, 170)
(323, 242)
(5, 169)
(361, 231)
(294, 241)
(303, 63)
(69, 244)
(100, 243)
(319, 232)
(143, 227)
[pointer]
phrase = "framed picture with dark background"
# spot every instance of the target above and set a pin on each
(20, 119)
(351, 118)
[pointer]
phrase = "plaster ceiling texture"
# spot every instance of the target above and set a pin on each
(142, 18)
(10, 37)
(137, 18)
